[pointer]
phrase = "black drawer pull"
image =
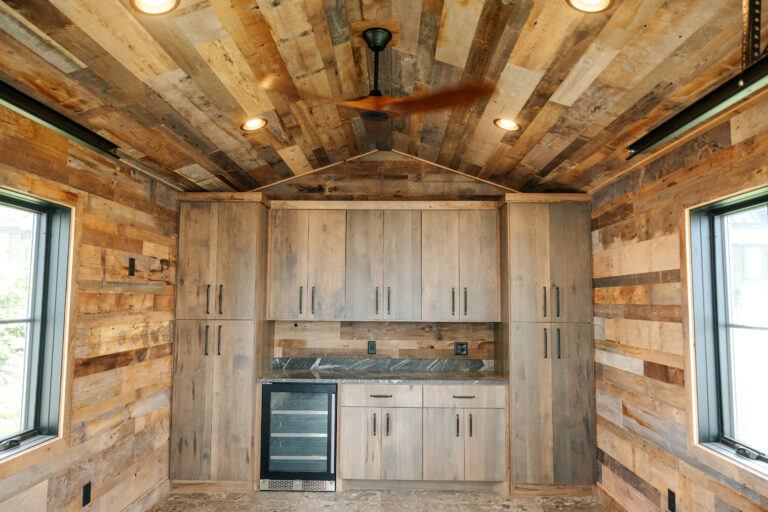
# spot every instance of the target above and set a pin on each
(301, 299)
(218, 348)
(221, 296)
(457, 425)
(377, 301)
(545, 343)
(387, 424)
(557, 299)
(545, 301)
(470, 425)
(208, 300)
(381, 396)
(558, 343)
(374, 424)
(468, 397)
(206, 339)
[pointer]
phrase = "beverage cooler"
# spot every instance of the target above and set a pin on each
(298, 437)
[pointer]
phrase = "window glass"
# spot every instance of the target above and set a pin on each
(745, 237)
(17, 248)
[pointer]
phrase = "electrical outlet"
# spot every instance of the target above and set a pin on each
(372, 347)
(460, 348)
(671, 501)
(131, 266)
(86, 493)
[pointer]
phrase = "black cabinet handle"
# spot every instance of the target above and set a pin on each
(374, 424)
(453, 301)
(558, 343)
(545, 343)
(313, 300)
(469, 397)
(457, 425)
(381, 396)
(221, 296)
(557, 300)
(545, 301)
(465, 301)
(301, 299)
(387, 424)
(377, 300)
(206, 339)
(389, 300)
(470, 425)
(218, 348)
(208, 300)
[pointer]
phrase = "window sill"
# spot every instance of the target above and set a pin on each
(756, 466)
(25, 445)
(33, 451)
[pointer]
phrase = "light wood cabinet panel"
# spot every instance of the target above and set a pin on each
(440, 265)
(196, 260)
(325, 264)
(380, 395)
(360, 445)
(233, 396)
(530, 423)
(479, 266)
(365, 293)
(570, 262)
(528, 267)
(190, 457)
(288, 292)
(464, 396)
(484, 437)
(574, 404)
(240, 230)
(443, 444)
(401, 291)
(401, 444)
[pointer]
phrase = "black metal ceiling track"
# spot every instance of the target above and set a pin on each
(29, 107)
(754, 76)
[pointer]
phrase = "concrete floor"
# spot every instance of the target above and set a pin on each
(369, 501)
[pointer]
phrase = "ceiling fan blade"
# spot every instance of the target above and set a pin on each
(466, 94)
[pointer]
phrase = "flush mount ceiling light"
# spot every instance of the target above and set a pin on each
(154, 6)
(506, 124)
(253, 124)
(590, 5)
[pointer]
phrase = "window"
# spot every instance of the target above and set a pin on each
(730, 301)
(34, 241)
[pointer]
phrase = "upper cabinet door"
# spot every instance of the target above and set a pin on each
(196, 291)
(401, 292)
(570, 262)
(364, 265)
(479, 265)
(288, 293)
(440, 266)
(240, 229)
(326, 264)
(527, 262)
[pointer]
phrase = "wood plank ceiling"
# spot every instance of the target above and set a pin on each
(172, 90)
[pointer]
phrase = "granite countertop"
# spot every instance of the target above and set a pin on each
(352, 376)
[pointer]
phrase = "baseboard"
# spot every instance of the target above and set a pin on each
(573, 491)
(421, 485)
(149, 498)
(211, 486)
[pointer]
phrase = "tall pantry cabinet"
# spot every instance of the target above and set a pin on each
(220, 318)
(546, 327)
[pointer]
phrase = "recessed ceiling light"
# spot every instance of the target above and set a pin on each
(590, 5)
(507, 124)
(154, 6)
(253, 124)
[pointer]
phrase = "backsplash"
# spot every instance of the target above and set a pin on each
(383, 365)
(394, 340)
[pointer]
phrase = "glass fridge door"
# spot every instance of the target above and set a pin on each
(298, 431)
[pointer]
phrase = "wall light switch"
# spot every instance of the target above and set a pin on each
(372, 347)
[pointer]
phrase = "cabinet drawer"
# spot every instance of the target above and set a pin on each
(380, 395)
(463, 396)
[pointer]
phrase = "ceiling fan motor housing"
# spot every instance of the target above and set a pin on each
(377, 38)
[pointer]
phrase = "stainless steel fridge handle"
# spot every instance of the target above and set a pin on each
(333, 433)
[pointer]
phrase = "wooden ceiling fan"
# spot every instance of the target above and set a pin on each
(377, 107)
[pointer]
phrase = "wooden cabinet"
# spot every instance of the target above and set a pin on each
(380, 443)
(213, 393)
(365, 264)
(552, 408)
(460, 263)
(218, 246)
(549, 262)
(307, 264)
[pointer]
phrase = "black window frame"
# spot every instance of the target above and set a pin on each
(44, 371)
(712, 353)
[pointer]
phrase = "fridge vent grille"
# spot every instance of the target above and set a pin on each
(298, 485)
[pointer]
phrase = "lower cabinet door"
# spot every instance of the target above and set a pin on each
(231, 348)
(443, 444)
(401, 444)
(484, 445)
(360, 433)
